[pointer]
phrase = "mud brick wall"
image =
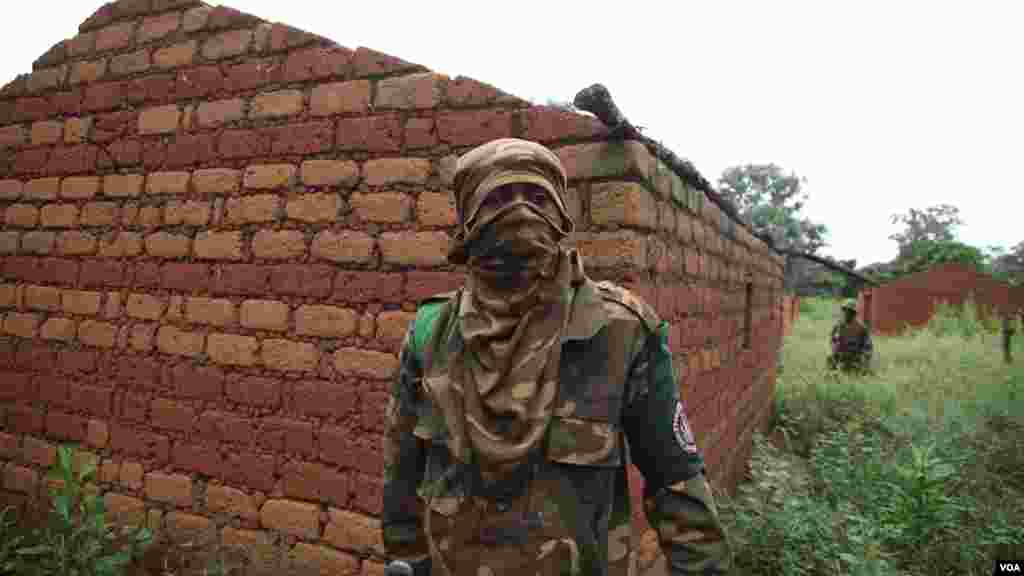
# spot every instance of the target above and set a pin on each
(214, 234)
(790, 313)
(911, 301)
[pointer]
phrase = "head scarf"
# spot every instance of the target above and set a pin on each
(500, 392)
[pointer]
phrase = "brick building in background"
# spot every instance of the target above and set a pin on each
(912, 300)
(215, 231)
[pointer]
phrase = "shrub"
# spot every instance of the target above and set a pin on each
(76, 537)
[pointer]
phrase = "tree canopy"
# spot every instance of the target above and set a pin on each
(771, 200)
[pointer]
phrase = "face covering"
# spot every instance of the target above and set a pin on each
(502, 382)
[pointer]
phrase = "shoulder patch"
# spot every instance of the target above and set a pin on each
(427, 313)
(627, 299)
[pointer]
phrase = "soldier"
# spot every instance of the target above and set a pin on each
(851, 343)
(522, 396)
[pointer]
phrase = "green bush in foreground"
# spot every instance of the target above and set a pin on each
(916, 469)
(76, 537)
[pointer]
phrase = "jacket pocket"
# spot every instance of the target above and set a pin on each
(584, 442)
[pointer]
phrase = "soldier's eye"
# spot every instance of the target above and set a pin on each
(537, 196)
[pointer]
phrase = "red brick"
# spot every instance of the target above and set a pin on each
(307, 280)
(369, 62)
(367, 493)
(382, 207)
(255, 471)
(170, 415)
(222, 17)
(32, 109)
(53, 391)
(424, 248)
(473, 127)
(10, 446)
(217, 113)
(252, 75)
(276, 104)
(73, 362)
(102, 273)
(310, 481)
(31, 161)
(373, 407)
(173, 489)
(232, 501)
(190, 149)
(301, 139)
(185, 277)
(467, 92)
(340, 98)
(360, 287)
(225, 427)
(115, 37)
(17, 386)
(67, 427)
(287, 437)
(157, 27)
(68, 103)
(24, 420)
(388, 171)
(316, 64)
(139, 443)
(254, 391)
(195, 382)
(20, 479)
(136, 372)
(105, 96)
(130, 63)
(344, 247)
(91, 399)
(365, 363)
(420, 133)
(203, 458)
(77, 159)
(34, 357)
(373, 134)
(549, 124)
(227, 44)
(283, 37)
(414, 91)
(322, 398)
(133, 408)
(242, 279)
(236, 144)
(199, 82)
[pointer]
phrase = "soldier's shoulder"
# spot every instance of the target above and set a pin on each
(619, 300)
(428, 310)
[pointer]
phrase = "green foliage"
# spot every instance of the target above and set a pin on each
(77, 538)
(917, 469)
(771, 201)
(932, 224)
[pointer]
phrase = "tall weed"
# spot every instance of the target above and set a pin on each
(917, 468)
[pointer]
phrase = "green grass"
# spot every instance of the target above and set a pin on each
(917, 468)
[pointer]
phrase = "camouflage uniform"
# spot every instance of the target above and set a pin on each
(851, 343)
(563, 507)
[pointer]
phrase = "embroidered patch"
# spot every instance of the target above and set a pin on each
(681, 427)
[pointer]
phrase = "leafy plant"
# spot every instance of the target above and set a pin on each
(77, 538)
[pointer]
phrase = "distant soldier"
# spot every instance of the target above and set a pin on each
(851, 343)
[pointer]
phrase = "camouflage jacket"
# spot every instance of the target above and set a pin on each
(851, 339)
(569, 511)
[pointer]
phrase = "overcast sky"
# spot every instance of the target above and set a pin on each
(881, 106)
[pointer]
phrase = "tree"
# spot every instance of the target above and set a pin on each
(771, 201)
(934, 224)
(1007, 264)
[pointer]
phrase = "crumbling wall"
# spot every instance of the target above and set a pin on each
(214, 234)
(913, 300)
